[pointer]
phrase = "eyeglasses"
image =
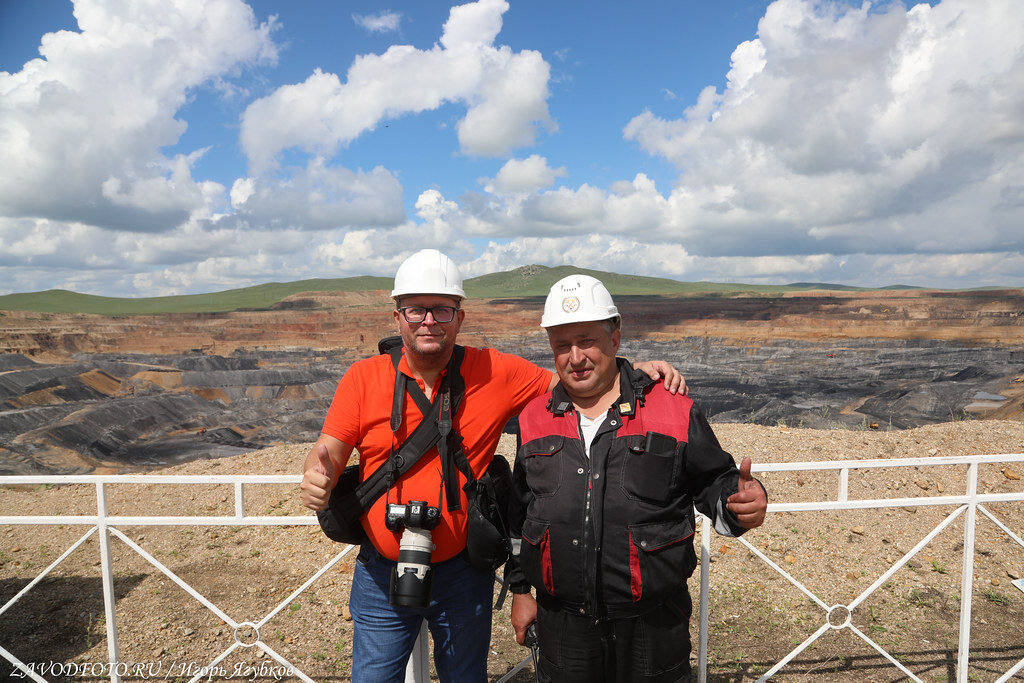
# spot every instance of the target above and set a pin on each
(417, 314)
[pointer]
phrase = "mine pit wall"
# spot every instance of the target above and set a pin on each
(160, 417)
(153, 417)
(353, 321)
(154, 390)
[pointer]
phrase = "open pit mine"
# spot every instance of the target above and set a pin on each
(84, 393)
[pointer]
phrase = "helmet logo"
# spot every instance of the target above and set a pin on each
(570, 304)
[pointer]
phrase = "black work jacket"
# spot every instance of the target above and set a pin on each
(612, 535)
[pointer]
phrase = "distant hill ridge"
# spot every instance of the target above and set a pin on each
(525, 281)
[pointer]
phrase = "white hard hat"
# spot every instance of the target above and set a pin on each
(577, 299)
(428, 272)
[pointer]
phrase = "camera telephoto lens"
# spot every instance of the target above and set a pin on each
(412, 576)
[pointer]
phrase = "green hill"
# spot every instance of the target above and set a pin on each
(537, 280)
(259, 296)
(527, 281)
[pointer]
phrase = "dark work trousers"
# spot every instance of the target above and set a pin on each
(653, 647)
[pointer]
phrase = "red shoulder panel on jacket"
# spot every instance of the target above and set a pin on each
(663, 413)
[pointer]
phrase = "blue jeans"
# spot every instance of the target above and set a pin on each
(459, 618)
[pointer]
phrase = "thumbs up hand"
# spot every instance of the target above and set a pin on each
(750, 502)
(319, 478)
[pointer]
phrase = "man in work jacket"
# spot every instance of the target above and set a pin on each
(428, 294)
(606, 476)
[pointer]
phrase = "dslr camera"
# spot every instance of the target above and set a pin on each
(412, 576)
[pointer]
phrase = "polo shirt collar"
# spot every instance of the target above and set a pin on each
(403, 367)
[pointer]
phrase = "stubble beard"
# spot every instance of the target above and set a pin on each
(437, 349)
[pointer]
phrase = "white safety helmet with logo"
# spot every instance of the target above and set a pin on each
(428, 271)
(577, 299)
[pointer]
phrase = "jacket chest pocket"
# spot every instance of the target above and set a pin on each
(650, 469)
(543, 460)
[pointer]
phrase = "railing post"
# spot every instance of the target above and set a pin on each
(107, 574)
(705, 595)
(418, 668)
(967, 578)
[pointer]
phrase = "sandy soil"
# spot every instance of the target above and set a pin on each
(757, 617)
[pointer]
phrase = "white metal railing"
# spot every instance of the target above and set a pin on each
(969, 503)
(247, 633)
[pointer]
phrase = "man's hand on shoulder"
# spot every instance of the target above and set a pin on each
(750, 502)
(659, 369)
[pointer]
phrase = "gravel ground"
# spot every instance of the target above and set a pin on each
(757, 617)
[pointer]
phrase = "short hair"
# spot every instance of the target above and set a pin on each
(612, 324)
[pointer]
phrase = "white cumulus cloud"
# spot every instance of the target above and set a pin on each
(522, 175)
(868, 144)
(319, 197)
(505, 94)
(384, 22)
(82, 126)
(845, 130)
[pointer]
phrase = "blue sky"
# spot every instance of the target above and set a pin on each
(156, 147)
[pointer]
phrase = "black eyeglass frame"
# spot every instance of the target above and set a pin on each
(429, 309)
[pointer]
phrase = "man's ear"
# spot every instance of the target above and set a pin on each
(460, 315)
(616, 339)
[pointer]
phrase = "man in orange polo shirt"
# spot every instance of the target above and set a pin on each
(428, 293)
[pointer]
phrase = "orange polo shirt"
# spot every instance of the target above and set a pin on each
(498, 386)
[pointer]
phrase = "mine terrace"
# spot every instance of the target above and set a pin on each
(86, 393)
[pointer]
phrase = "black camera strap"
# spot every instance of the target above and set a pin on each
(425, 436)
(439, 412)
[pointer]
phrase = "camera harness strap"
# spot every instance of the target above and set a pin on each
(449, 443)
(435, 428)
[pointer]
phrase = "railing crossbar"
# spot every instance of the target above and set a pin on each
(176, 579)
(1012, 672)
(21, 666)
(281, 660)
(1002, 526)
(874, 503)
(878, 648)
(929, 461)
(181, 520)
(789, 577)
(796, 651)
(46, 571)
(213, 665)
(906, 558)
(298, 591)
